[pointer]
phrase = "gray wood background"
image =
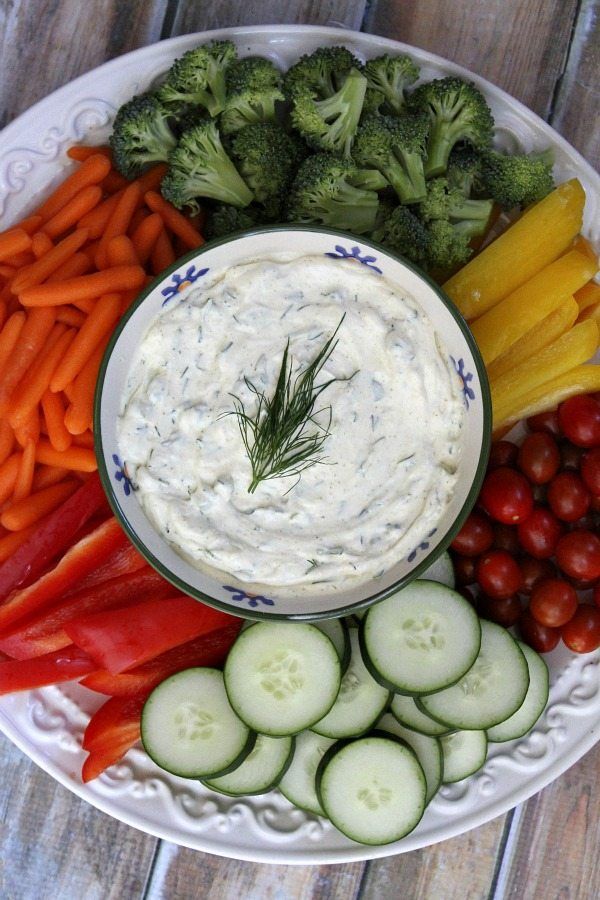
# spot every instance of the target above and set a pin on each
(54, 846)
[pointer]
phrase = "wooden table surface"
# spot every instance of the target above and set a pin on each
(53, 845)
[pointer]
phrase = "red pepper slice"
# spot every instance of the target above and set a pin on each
(124, 561)
(77, 562)
(124, 638)
(111, 732)
(52, 668)
(54, 535)
(45, 631)
(207, 650)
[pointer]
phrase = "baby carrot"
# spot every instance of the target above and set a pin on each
(85, 305)
(9, 336)
(8, 271)
(53, 409)
(81, 204)
(29, 428)
(121, 252)
(86, 287)
(85, 439)
(78, 264)
(13, 540)
(24, 478)
(23, 513)
(8, 476)
(32, 337)
(7, 440)
(137, 218)
(69, 315)
(145, 236)
(49, 264)
(77, 459)
(114, 182)
(96, 220)
(12, 242)
(31, 224)
(119, 220)
(41, 243)
(150, 180)
(91, 171)
(79, 415)
(45, 476)
(34, 386)
(174, 220)
(81, 152)
(99, 323)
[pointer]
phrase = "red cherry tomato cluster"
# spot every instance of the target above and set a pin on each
(533, 541)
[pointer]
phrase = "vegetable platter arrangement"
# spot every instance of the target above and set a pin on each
(224, 144)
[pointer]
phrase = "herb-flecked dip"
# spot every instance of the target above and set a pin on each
(394, 416)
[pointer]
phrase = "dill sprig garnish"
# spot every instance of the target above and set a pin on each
(278, 438)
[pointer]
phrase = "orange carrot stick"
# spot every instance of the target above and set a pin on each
(8, 476)
(119, 220)
(78, 459)
(174, 220)
(12, 242)
(23, 513)
(145, 236)
(71, 316)
(81, 152)
(96, 220)
(85, 306)
(24, 478)
(121, 252)
(85, 439)
(163, 254)
(79, 205)
(33, 336)
(86, 287)
(9, 336)
(137, 218)
(45, 476)
(30, 224)
(41, 244)
(114, 182)
(91, 171)
(78, 264)
(98, 324)
(29, 429)
(50, 263)
(7, 271)
(31, 390)
(53, 409)
(13, 540)
(7, 440)
(150, 180)
(79, 416)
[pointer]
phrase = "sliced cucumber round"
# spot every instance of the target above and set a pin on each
(464, 753)
(372, 789)
(189, 728)
(406, 711)
(441, 570)
(282, 677)
(337, 632)
(421, 639)
(360, 702)
(427, 749)
(533, 705)
(260, 771)
(298, 783)
(491, 691)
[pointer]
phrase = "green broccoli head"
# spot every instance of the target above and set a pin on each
(323, 193)
(253, 73)
(447, 246)
(458, 113)
(372, 104)
(330, 124)
(395, 145)
(200, 167)
(321, 73)
(517, 180)
(266, 156)
(248, 107)
(446, 202)
(464, 169)
(141, 135)
(390, 76)
(198, 78)
(224, 219)
(402, 232)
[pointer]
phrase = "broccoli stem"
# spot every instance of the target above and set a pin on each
(408, 179)
(439, 147)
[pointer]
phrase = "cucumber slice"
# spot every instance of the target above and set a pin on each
(282, 677)
(491, 691)
(427, 749)
(464, 753)
(260, 771)
(533, 705)
(406, 711)
(441, 570)
(373, 789)
(189, 728)
(298, 783)
(337, 632)
(360, 702)
(421, 639)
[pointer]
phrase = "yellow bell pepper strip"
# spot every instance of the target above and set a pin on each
(588, 295)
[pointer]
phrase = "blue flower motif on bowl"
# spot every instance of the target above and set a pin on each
(424, 545)
(121, 475)
(181, 281)
(239, 595)
(466, 378)
(355, 253)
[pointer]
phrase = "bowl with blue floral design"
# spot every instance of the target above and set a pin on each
(292, 423)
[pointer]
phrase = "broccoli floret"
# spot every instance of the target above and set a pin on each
(198, 78)
(141, 135)
(517, 180)
(252, 73)
(458, 112)
(402, 232)
(248, 107)
(395, 145)
(322, 73)
(266, 156)
(330, 124)
(200, 167)
(224, 219)
(322, 192)
(443, 201)
(370, 180)
(391, 75)
(464, 169)
(447, 246)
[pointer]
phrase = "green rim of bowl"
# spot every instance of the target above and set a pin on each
(378, 595)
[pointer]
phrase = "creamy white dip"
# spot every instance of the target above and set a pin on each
(391, 457)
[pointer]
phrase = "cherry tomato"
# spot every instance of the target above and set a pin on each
(502, 453)
(578, 555)
(506, 496)
(539, 533)
(464, 570)
(505, 611)
(568, 497)
(595, 504)
(533, 571)
(540, 637)
(539, 457)
(582, 632)
(475, 537)
(498, 574)
(506, 538)
(553, 602)
(590, 470)
(570, 455)
(579, 420)
(546, 421)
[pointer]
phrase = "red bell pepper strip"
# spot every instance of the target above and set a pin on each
(123, 561)
(54, 535)
(45, 631)
(111, 732)
(77, 562)
(123, 638)
(207, 650)
(52, 668)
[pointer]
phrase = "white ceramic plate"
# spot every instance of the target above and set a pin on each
(47, 724)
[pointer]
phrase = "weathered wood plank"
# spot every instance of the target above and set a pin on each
(44, 44)
(577, 104)
(194, 16)
(519, 46)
